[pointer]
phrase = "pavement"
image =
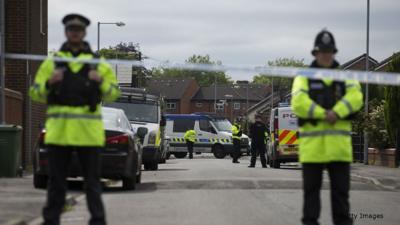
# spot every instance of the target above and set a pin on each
(211, 191)
(388, 178)
(20, 203)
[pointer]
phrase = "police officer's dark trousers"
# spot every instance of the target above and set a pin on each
(339, 174)
(59, 159)
(236, 149)
(258, 148)
(189, 145)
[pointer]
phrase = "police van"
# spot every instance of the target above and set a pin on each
(214, 134)
(283, 144)
(144, 113)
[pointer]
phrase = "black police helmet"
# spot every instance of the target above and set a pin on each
(75, 20)
(324, 42)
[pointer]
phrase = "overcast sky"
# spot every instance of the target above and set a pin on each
(237, 32)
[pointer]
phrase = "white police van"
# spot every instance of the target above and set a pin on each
(214, 134)
(283, 144)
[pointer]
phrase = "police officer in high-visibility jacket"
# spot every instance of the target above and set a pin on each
(236, 136)
(325, 109)
(73, 92)
(190, 138)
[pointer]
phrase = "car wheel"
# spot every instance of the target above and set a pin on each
(154, 166)
(129, 183)
(180, 155)
(40, 181)
(219, 152)
(276, 164)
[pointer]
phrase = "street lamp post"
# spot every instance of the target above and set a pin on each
(366, 87)
(2, 65)
(215, 93)
(119, 24)
(247, 83)
(231, 97)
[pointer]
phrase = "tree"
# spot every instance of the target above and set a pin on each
(122, 51)
(128, 51)
(392, 106)
(204, 78)
(280, 83)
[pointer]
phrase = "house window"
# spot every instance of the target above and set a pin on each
(199, 105)
(219, 106)
(171, 105)
(236, 106)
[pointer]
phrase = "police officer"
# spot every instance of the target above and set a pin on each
(73, 92)
(325, 108)
(257, 135)
(190, 138)
(236, 136)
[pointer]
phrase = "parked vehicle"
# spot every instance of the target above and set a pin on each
(283, 144)
(213, 135)
(121, 158)
(144, 110)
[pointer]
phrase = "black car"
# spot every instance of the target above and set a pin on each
(121, 158)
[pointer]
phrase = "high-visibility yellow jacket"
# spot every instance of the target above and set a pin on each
(74, 125)
(190, 136)
(322, 142)
(236, 131)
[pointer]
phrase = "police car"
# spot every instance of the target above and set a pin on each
(283, 144)
(214, 134)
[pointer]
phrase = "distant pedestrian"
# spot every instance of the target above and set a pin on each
(258, 146)
(325, 109)
(190, 138)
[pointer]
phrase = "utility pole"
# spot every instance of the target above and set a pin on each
(2, 64)
(366, 88)
(272, 94)
(215, 93)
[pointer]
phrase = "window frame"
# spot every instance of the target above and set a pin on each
(169, 104)
(236, 104)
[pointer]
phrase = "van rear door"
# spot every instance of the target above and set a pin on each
(287, 131)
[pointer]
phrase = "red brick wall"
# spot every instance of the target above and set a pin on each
(14, 107)
(208, 106)
(360, 65)
(185, 107)
(23, 36)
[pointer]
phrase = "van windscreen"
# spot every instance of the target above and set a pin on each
(223, 125)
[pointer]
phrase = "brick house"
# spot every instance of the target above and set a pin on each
(231, 99)
(383, 65)
(358, 63)
(177, 93)
(25, 33)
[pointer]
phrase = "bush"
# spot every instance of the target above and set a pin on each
(375, 126)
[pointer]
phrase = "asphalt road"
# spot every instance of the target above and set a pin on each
(208, 191)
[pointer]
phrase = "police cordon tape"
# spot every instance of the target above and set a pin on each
(380, 78)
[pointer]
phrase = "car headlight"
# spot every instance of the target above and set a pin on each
(152, 139)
